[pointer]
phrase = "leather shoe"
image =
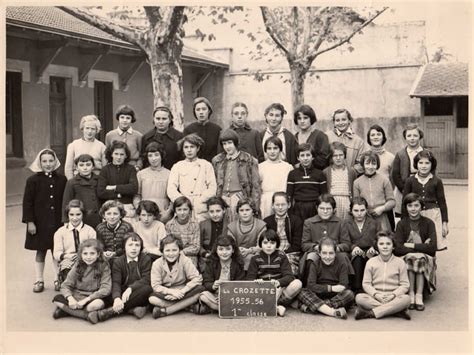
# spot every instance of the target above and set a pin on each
(411, 306)
(38, 286)
(420, 307)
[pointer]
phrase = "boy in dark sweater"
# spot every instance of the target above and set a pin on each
(130, 281)
(272, 265)
(305, 183)
(327, 288)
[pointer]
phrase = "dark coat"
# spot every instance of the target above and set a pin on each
(427, 231)
(42, 202)
(365, 239)
(85, 190)
(124, 177)
(212, 272)
(120, 274)
(320, 143)
(293, 229)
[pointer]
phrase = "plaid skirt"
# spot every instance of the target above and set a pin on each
(294, 259)
(421, 263)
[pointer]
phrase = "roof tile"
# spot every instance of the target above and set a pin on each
(442, 79)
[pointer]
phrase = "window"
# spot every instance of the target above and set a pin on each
(14, 133)
(439, 106)
(103, 106)
(463, 112)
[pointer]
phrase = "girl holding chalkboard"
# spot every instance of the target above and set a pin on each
(271, 264)
(224, 264)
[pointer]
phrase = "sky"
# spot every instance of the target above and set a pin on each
(448, 24)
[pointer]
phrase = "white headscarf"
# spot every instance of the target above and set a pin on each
(36, 165)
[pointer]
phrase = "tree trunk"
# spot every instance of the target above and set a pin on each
(298, 73)
(167, 81)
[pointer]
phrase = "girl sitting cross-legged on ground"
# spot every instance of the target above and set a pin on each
(271, 264)
(175, 280)
(224, 264)
(385, 283)
(327, 289)
(86, 285)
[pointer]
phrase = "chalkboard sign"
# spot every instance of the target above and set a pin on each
(242, 299)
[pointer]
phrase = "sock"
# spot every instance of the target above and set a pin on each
(412, 297)
(419, 298)
(55, 268)
(39, 270)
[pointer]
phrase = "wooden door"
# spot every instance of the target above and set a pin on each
(57, 115)
(103, 106)
(440, 133)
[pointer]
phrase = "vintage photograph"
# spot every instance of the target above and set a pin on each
(196, 169)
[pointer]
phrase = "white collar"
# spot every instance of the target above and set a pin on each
(120, 132)
(70, 227)
(424, 180)
(132, 259)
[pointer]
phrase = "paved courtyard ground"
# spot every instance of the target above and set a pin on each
(446, 314)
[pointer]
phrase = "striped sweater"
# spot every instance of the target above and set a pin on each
(306, 184)
(271, 267)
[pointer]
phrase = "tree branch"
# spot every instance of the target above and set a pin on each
(124, 33)
(348, 38)
(294, 33)
(266, 14)
(153, 15)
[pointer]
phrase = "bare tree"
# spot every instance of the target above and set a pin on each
(162, 42)
(304, 33)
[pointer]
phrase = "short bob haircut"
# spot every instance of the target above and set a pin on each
(149, 207)
(164, 109)
(239, 104)
(181, 200)
(370, 156)
(275, 140)
(358, 200)
(90, 118)
(383, 234)
(84, 158)
(170, 239)
(154, 147)
(280, 194)
(327, 198)
(117, 145)
(271, 236)
(377, 128)
(111, 204)
(337, 146)
(276, 106)
(134, 237)
(214, 200)
(412, 127)
(303, 148)
(229, 135)
(328, 242)
(191, 138)
(425, 154)
(74, 204)
(412, 197)
(125, 110)
(307, 111)
(225, 241)
(342, 110)
(246, 201)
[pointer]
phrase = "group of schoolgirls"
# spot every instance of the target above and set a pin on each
(134, 235)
